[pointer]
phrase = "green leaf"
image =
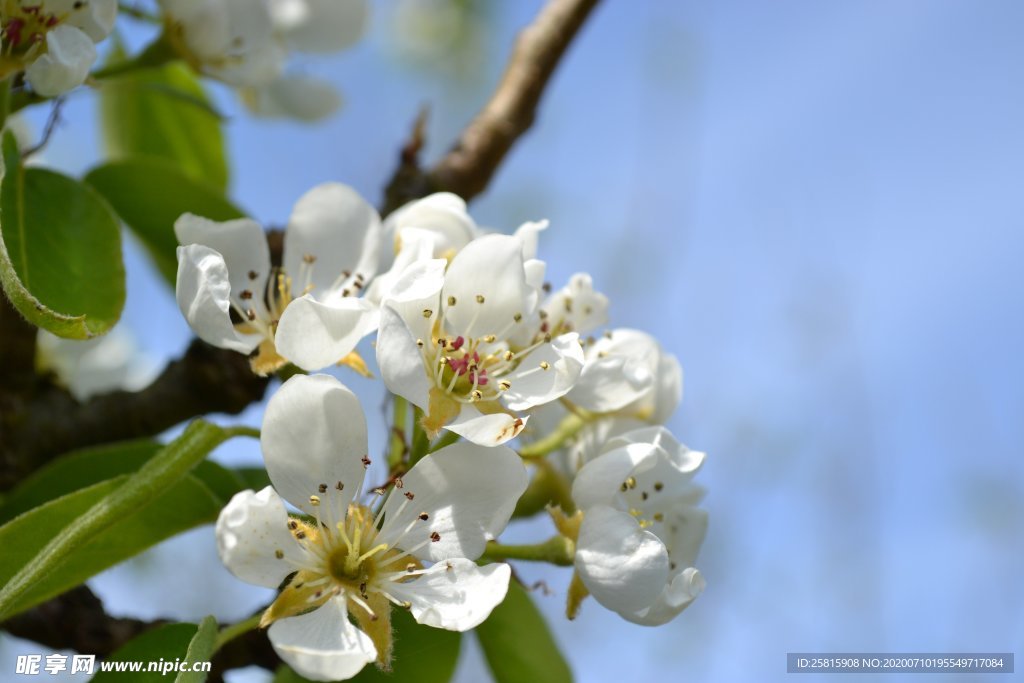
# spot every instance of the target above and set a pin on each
(518, 644)
(58, 545)
(164, 113)
(169, 643)
(149, 195)
(60, 250)
(422, 655)
(201, 649)
(79, 469)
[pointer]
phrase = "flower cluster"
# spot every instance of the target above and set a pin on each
(245, 43)
(470, 336)
(53, 41)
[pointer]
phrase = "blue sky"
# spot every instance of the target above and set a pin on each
(817, 208)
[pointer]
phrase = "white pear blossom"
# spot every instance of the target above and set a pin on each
(345, 559)
(448, 339)
(628, 372)
(246, 43)
(98, 365)
(53, 40)
(641, 529)
(308, 311)
(231, 40)
(442, 214)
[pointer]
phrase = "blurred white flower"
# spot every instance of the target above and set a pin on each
(641, 529)
(246, 44)
(53, 41)
(445, 339)
(96, 366)
(348, 562)
(309, 311)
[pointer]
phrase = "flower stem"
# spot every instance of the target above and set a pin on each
(5, 101)
(229, 633)
(241, 431)
(556, 550)
(399, 446)
(568, 428)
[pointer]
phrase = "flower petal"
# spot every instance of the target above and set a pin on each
(294, 96)
(677, 596)
(314, 432)
(417, 246)
(492, 429)
(599, 481)
(611, 382)
(533, 385)
(455, 594)
(321, 26)
(400, 360)
(96, 17)
(64, 65)
(203, 292)
(322, 645)
(442, 215)
(314, 335)
(624, 567)
(241, 242)
(488, 268)
(335, 226)
(251, 529)
(468, 493)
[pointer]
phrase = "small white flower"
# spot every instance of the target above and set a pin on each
(627, 372)
(53, 40)
(309, 311)
(245, 43)
(641, 529)
(319, 26)
(96, 366)
(447, 340)
(343, 560)
(303, 98)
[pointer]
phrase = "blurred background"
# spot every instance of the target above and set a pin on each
(817, 207)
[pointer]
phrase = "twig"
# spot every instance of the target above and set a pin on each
(467, 168)
(204, 380)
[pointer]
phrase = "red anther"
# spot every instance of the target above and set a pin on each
(457, 344)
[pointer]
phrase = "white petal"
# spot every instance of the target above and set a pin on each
(532, 385)
(241, 242)
(528, 235)
(314, 432)
(324, 26)
(442, 215)
(337, 227)
(400, 360)
(486, 430)
(95, 17)
(577, 306)
(64, 65)
(203, 292)
(314, 335)
(599, 481)
(251, 529)
(612, 382)
(468, 493)
(624, 567)
(677, 596)
(415, 295)
(455, 594)
(322, 645)
(668, 391)
(490, 267)
(417, 245)
(293, 96)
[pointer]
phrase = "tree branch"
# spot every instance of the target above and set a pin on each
(76, 621)
(204, 380)
(467, 168)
